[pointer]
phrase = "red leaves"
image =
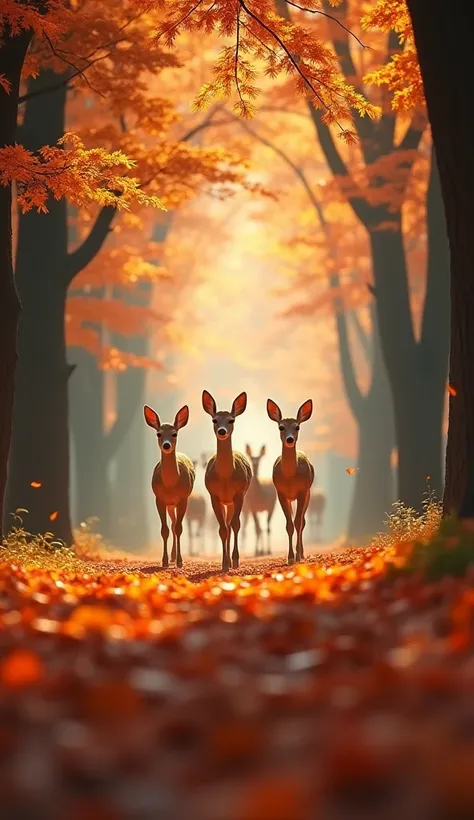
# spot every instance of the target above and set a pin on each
(21, 668)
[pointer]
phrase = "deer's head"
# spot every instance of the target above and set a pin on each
(255, 459)
(167, 434)
(289, 428)
(223, 420)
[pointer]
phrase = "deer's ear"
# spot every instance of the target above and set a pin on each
(273, 410)
(263, 450)
(239, 404)
(208, 403)
(248, 450)
(182, 417)
(305, 411)
(151, 418)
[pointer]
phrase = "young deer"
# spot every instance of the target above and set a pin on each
(228, 476)
(293, 474)
(261, 497)
(316, 508)
(196, 512)
(173, 480)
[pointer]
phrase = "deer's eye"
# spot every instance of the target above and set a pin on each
(297, 427)
(159, 435)
(175, 435)
(231, 421)
(214, 421)
(281, 428)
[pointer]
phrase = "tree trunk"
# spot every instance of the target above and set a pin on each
(40, 439)
(12, 56)
(374, 484)
(87, 421)
(449, 96)
(132, 485)
(416, 369)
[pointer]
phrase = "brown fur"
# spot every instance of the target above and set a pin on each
(293, 474)
(228, 475)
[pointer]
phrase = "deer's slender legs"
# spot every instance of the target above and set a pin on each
(164, 531)
(258, 533)
(235, 524)
(178, 529)
(229, 512)
(220, 515)
(288, 513)
(245, 518)
(172, 514)
(301, 507)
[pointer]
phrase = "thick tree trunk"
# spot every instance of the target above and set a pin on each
(132, 485)
(12, 56)
(87, 421)
(416, 369)
(40, 439)
(449, 96)
(374, 483)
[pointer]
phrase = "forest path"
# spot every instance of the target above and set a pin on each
(200, 568)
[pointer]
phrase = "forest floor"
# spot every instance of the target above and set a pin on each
(336, 689)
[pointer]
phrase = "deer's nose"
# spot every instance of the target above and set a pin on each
(222, 431)
(290, 440)
(166, 445)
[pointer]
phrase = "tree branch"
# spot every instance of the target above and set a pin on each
(92, 244)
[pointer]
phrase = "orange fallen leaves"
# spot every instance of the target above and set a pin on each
(351, 470)
(451, 390)
(21, 668)
(35, 484)
(53, 515)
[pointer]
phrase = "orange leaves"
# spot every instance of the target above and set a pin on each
(69, 169)
(53, 516)
(264, 44)
(35, 484)
(5, 84)
(451, 390)
(21, 668)
(351, 470)
(401, 74)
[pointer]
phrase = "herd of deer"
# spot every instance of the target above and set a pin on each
(231, 479)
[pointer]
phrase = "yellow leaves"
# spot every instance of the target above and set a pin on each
(69, 169)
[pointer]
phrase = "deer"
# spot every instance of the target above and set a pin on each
(196, 512)
(173, 480)
(293, 474)
(316, 508)
(261, 497)
(228, 475)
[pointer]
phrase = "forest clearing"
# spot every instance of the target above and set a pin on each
(236, 410)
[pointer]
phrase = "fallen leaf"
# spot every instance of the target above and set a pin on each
(451, 390)
(53, 516)
(351, 470)
(35, 484)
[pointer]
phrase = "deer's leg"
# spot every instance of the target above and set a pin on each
(172, 513)
(190, 535)
(220, 515)
(288, 513)
(235, 524)
(164, 531)
(258, 532)
(269, 531)
(229, 512)
(300, 521)
(245, 519)
(178, 528)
